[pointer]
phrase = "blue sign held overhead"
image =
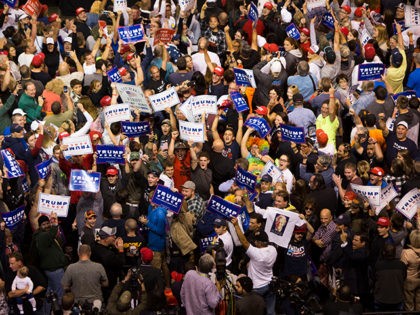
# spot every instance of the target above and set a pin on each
(253, 12)
(292, 134)
(241, 77)
(13, 218)
(260, 125)
(12, 166)
(292, 31)
(223, 207)
(371, 71)
(240, 104)
(245, 180)
(44, 169)
(167, 198)
(110, 154)
(81, 180)
(135, 129)
(114, 75)
(131, 34)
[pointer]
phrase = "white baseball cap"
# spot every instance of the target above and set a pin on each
(68, 39)
(18, 111)
(50, 41)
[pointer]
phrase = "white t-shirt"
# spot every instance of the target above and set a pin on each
(22, 283)
(260, 268)
(228, 246)
(25, 59)
(167, 182)
(200, 63)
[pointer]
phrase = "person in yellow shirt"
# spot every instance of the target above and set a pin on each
(328, 120)
(396, 72)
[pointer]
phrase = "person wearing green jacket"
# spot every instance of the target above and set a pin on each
(29, 104)
(4, 110)
(51, 257)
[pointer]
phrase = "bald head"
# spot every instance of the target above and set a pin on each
(218, 145)
(325, 216)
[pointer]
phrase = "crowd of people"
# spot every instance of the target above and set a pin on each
(117, 252)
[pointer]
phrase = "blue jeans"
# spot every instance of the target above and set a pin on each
(269, 298)
(54, 282)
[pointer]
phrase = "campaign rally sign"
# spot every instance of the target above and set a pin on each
(165, 99)
(207, 241)
(371, 71)
(253, 12)
(250, 74)
(203, 104)
(163, 35)
(292, 134)
(32, 7)
(133, 95)
(54, 203)
(409, 203)
(186, 109)
(131, 34)
(223, 207)
(13, 218)
(273, 171)
(167, 198)
(135, 129)
(260, 125)
(240, 104)
(292, 31)
(241, 77)
(411, 15)
(311, 4)
(387, 195)
(25, 185)
(328, 20)
(245, 180)
(280, 225)
(186, 5)
(81, 180)
(120, 5)
(409, 94)
(78, 145)
(191, 131)
(44, 169)
(110, 154)
(10, 3)
(371, 193)
(364, 35)
(12, 166)
(117, 113)
(113, 75)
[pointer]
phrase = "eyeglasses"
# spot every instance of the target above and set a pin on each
(308, 208)
(283, 160)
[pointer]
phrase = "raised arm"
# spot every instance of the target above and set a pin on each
(244, 150)
(239, 133)
(332, 110)
(240, 234)
(214, 132)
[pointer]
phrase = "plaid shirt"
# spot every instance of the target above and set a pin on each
(325, 234)
(216, 40)
(196, 206)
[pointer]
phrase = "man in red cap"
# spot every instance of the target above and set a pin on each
(217, 86)
(383, 224)
(37, 72)
(80, 22)
(305, 40)
(376, 175)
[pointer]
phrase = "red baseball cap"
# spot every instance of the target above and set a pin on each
(130, 56)
(53, 17)
(63, 135)
(346, 9)
(345, 31)
(358, 12)
(93, 133)
(122, 71)
(305, 31)
(383, 221)
(350, 195)
(369, 51)
(378, 171)
(80, 10)
(112, 171)
(146, 254)
(261, 110)
(268, 5)
(219, 71)
(105, 101)
(271, 47)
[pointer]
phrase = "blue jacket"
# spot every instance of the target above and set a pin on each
(157, 228)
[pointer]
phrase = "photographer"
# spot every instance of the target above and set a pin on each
(343, 303)
(120, 299)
